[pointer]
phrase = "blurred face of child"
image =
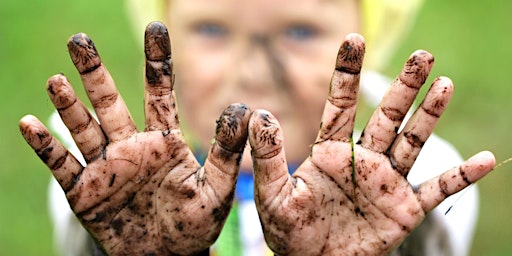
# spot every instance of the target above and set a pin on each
(272, 54)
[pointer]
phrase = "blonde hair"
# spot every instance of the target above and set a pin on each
(384, 24)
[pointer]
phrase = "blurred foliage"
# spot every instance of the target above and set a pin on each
(469, 39)
(471, 44)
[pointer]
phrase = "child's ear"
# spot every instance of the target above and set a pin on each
(142, 12)
(385, 24)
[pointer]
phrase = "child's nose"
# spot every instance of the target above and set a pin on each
(260, 65)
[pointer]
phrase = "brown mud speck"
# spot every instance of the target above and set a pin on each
(112, 179)
(221, 213)
(45, 154)
(359, 212)
(443, 187)
(117, 225)
(384, 188)
(414, 140)
(464, 176)
(179, 226)
(393, 114)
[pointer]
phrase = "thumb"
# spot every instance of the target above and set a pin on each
(271, 175)
(223, 161)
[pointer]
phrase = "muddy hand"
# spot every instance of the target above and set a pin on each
(347, 198)
(141, 192)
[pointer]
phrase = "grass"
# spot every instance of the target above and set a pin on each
(469, 39)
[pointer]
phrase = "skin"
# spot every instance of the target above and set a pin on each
(332, 205)
(142, 192)
(134, 200)
(278, 55)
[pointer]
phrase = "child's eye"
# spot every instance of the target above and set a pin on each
(210, 29)
(301, 32)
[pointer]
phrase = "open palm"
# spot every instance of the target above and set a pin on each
(354, 199)
(141, 193)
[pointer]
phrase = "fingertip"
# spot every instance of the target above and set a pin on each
(34, 132)
(60, 91)
(232, 127)
(444, 81)
(356, 38)
(417, 68)
(265, 134)
(351, 54)
(83, 53)
(438, 96)
(423, 55)
(486, 160)
(477, 166)
(27, 119)
(157, 46)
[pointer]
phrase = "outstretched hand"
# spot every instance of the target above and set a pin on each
(145, 193)
(354, 199)
(141, 193)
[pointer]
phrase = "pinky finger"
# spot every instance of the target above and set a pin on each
(434, 191)
(64, 166)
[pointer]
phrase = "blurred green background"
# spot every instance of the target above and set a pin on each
(471, 41)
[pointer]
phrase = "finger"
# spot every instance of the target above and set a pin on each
(340, 107)
(160, 102)
(223, 161)
(434, 191)
(114, 117)
(411, 139)
(271, 176)
(383, 126)
(63, 165)
(85, 130)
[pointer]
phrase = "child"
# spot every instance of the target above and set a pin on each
(277, 55)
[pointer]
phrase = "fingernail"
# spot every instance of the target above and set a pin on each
(83, 53)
